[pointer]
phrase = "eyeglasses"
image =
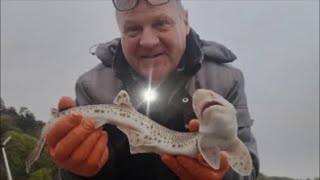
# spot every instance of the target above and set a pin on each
(126, 5)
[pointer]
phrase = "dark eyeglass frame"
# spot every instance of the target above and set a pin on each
(135, 5)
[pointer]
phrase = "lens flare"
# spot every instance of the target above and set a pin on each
(149, 95)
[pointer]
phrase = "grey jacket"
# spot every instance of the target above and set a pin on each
(204, 65)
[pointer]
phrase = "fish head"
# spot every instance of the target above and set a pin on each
(201, 99)
(218, 132)
(217, 116)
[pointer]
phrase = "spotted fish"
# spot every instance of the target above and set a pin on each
(217, 132)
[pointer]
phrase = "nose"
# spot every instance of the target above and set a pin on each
(149, 38)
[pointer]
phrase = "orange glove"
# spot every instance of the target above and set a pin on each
(75, 145)
(191, 169)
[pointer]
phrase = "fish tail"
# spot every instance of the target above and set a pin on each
(34, 155)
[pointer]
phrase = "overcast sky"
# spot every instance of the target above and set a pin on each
(44, 48)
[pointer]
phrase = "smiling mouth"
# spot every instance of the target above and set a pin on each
(151, 56)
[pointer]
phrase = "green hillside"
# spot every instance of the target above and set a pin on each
(17, 150)
(23, 129)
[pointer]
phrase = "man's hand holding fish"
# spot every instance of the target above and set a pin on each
(75, 144)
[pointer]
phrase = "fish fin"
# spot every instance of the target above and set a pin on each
(239, 158)
(210, 151)
(35, 154)
(137, 141)
(122, 99)
(54, 112)
(134, 150)
(100, 122)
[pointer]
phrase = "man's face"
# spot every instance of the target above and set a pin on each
(154, 38)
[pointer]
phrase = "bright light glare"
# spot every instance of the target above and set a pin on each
(150, 95)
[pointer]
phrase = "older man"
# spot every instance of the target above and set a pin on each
(157, 50)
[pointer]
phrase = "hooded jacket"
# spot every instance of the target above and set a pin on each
(203, 65)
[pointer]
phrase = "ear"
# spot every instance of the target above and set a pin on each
(186, 21)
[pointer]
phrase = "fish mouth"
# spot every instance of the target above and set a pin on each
(207, 105)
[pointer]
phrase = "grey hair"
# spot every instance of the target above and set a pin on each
(179, 3)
